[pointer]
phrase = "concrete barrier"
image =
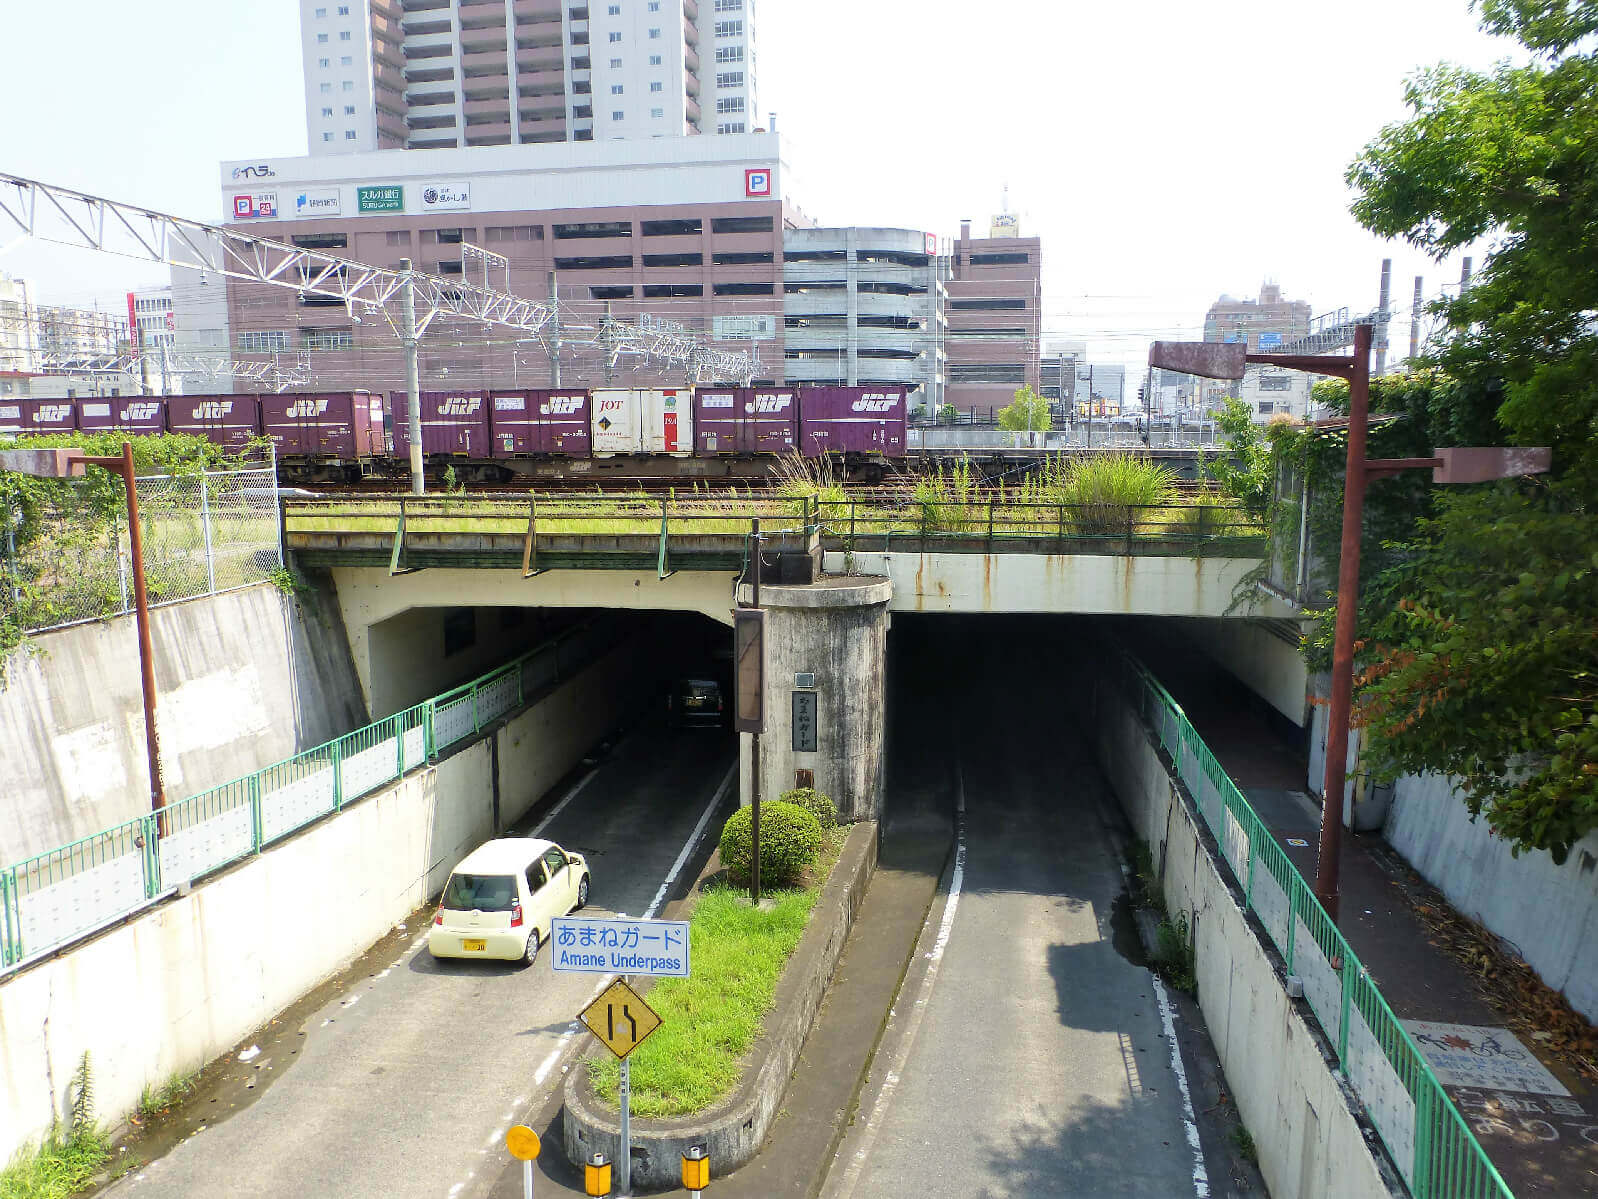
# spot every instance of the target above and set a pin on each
(181, 983)
(245, 678)
(1312, 1143)
(734, 1130)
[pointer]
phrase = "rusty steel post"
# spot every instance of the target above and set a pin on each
(1328, 862)
(141, 609)
(754, 750)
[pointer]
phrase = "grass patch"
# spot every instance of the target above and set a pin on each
(1173, 954)
(157, 1100)
(713, 1017)
(61, 1166)
(1146, 892)
(1243, 1141)
(68, 1159)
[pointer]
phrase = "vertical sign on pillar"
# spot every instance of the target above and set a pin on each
(804, 722)
(749, 664)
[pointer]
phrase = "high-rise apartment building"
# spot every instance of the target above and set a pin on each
(995, 290)
(431, 74)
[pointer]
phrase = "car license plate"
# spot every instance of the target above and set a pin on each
(469, 946)
(693, 701)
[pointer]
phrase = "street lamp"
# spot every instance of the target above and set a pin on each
(70, 464)
(1227, 360)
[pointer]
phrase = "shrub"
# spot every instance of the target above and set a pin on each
(790, 838)
(818, 805)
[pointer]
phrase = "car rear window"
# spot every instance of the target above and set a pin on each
(699, 687)
(480, 892)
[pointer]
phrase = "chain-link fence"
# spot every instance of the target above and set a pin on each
(65, 556)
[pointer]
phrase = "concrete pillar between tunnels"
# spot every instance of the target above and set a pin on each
(835, 630)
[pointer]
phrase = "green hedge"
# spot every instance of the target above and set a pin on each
(818, 805)
(790, 838)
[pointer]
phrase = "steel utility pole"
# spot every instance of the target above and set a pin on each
(609, 366)
(70, 463)
(1330, 853)
(413, 374)
(1414, 322)
(1381, 310)
(754, 752)
(554, 335)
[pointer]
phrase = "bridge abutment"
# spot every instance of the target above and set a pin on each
(826, 654)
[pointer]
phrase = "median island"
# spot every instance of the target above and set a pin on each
(714, 1072)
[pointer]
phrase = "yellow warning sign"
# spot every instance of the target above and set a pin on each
(620, 1019)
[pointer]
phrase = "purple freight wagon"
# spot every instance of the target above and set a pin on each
(540, 421)
(29, 418)
(453, 422)
(744, 420)
(140, 416)
(853, 421)
(333, 426)
(223, 419)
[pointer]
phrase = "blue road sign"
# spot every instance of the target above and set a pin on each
(592, 945)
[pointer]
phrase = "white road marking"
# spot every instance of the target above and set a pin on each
(564, 800)
(566, 1044)
(688, 846)
(1201, 1175)
(844, 1189)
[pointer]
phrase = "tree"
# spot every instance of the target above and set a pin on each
(1245, 472)
(1028, 411)
(1482, 654)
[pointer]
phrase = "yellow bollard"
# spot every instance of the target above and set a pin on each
(695, 1169)
(596, 1175)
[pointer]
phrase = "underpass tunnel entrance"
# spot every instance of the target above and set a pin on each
(1022, 685)
(423, 652)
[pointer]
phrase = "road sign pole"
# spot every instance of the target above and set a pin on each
(624, 1159)
(527, 1180)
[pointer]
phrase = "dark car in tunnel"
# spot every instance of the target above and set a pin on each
(698, 700)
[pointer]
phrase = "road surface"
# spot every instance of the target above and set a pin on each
(404, 1085)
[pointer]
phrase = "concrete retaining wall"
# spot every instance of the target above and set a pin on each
(179, 985)
(1300, 1111)
(244, 679)
(1548, 912)
(1266, 664)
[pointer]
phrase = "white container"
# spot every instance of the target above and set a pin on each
(643, 421)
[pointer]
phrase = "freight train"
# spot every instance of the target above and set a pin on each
(497, 436)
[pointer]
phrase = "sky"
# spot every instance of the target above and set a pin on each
(1166, 151)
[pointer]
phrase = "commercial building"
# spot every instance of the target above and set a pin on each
(864, 306)
(49, 351)
(1058, 370)
(432, 74)
(151, 323)
(19, 334)
(1264, 324)
(681, 229)
(995, 306)
(1102, 383)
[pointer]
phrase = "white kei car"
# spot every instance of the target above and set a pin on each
(501, 899)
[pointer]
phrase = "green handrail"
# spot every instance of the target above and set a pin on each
(365, 752)
(1441, 1158)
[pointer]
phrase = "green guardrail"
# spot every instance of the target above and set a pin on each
(55, 897)
(1425, 1134)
